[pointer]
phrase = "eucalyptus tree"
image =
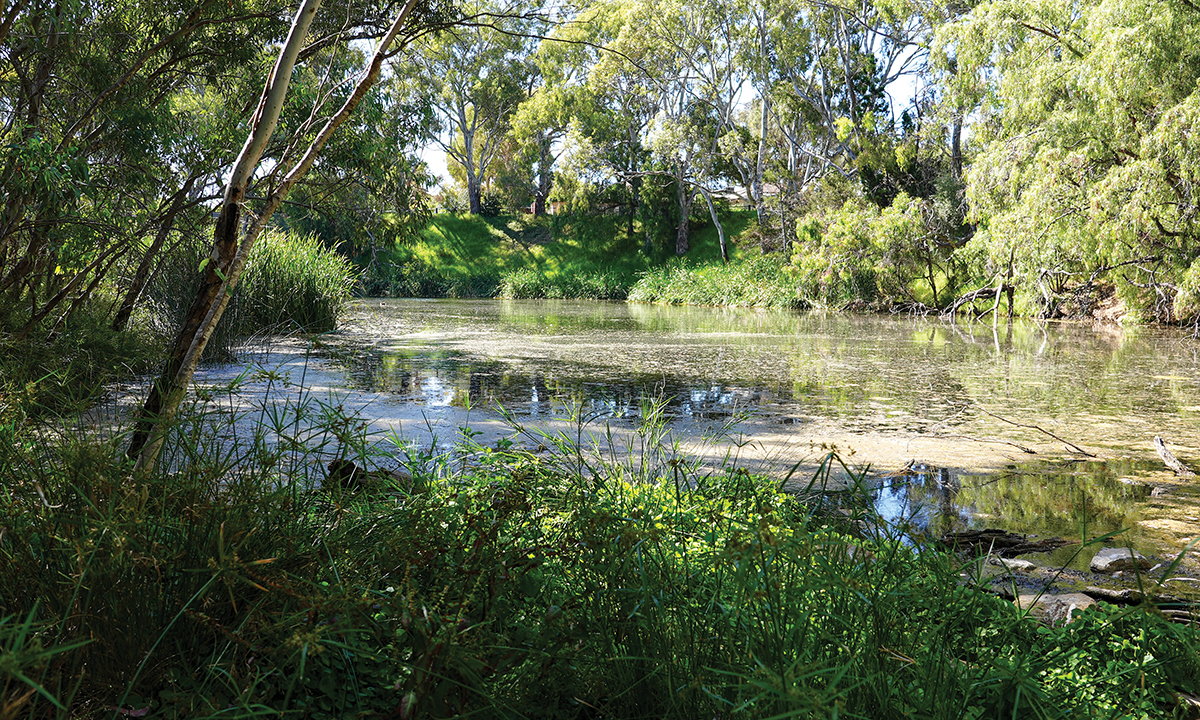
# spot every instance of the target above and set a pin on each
(558, 96)
(368, 190)
(607, 140)
(473, 76)
(831, 65)
(667, 75)
(237, 227)
(1087, 163)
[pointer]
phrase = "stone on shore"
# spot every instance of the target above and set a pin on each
(1053, 610)
(1013, 565)
(1111, 560)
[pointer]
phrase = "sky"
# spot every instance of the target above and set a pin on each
(435, 157)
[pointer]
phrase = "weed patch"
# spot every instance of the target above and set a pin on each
(508, 583)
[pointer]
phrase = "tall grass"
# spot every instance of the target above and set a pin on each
(600, 284)
(557, 584)
(292, 283)
(756, 281)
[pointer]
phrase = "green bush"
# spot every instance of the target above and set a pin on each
(501, 583)
(758, 281)
(417, 279)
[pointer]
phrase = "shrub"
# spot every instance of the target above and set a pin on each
(760, 281)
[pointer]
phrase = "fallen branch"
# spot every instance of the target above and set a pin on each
(986, 292)
(1018, 446)
(1001, 542)
(1170, 460)
(1074, 448)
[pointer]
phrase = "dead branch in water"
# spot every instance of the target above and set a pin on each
(1073, 446)
(1018, 446)
(1170, 460)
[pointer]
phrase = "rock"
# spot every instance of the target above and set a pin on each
(345, 475)
(1160, 491)
(1126, 596)
(1053, 609)
(1110, 560)
(1012, 565)
(1137, 487)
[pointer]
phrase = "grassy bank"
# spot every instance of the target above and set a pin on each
(499, 583)
(525, 257)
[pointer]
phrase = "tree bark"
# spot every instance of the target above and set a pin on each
(212, 299)
(166, 395)
(712, 210)
(474, 195)
(685, 198)
(544, 178)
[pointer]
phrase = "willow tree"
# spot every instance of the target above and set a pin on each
(1088, 158)
(232, 243)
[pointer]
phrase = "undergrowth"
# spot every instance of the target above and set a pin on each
(502, 583)
(760, 281)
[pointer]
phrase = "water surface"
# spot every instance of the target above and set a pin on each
(1045, 428)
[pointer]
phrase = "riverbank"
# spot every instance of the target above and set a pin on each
(507, 578)
(606, 257)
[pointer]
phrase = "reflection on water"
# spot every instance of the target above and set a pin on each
(1110, 390)
(1113, 389)
(1074, 501)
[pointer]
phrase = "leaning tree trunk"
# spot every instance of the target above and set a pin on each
(142, 275)
(228, 259)
(168, 392)
(712, 210)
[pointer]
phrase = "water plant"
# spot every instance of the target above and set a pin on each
(548, 576)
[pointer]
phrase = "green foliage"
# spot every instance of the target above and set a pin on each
(292, 282)
(761, 281)
(1087, 160)
(861, 254)
(550, 585)
(511, 256)
(63, 373)
(596, 285)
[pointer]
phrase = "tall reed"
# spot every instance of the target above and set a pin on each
(292, 283)
(560, 582)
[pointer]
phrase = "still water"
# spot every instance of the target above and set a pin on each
(1042, 428)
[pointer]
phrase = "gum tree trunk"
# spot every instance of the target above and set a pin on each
(228, 258)
(168, 392)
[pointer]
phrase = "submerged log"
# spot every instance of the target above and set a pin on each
(1170, 460)
(345, 475)
(1000, 542)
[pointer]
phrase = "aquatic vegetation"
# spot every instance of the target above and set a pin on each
(508, 582)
